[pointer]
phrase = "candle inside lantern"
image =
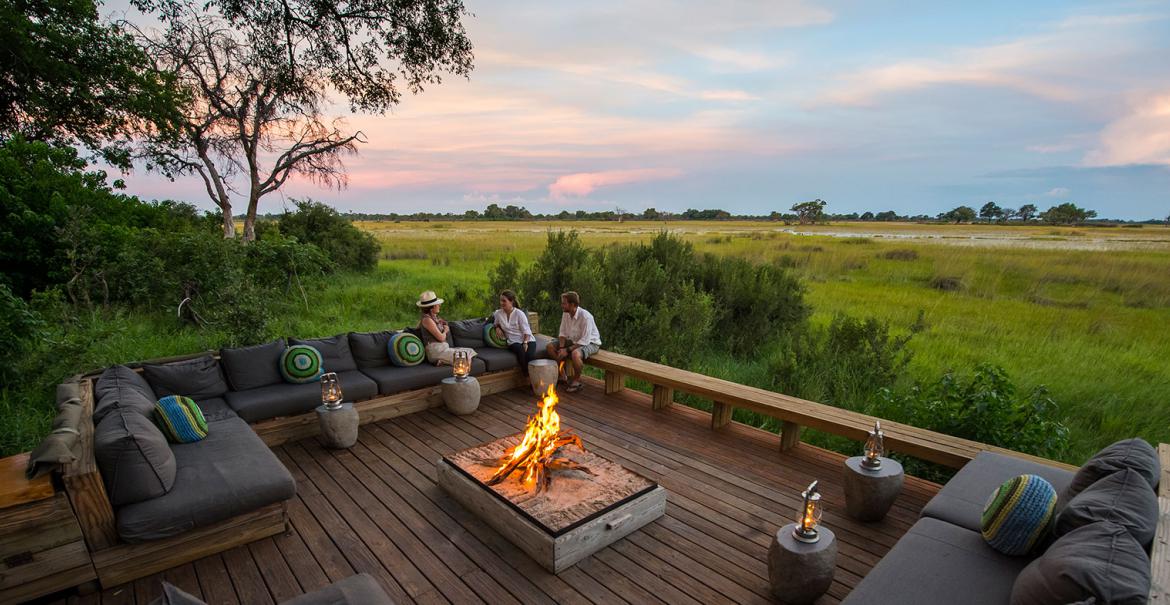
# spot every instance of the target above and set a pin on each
(330, 391)
(460, 364)
(810, 515)
(874, 448)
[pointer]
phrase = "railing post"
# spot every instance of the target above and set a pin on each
(614, 382)
(663, 396)
(789, 435)
(720, 415)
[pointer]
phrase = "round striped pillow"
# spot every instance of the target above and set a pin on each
(1019, 514)
(491, 338)
(300, 364)
(406, 349)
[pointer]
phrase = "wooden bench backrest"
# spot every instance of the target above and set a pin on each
(83, 482)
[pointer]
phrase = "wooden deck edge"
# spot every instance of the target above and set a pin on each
(1160, 552)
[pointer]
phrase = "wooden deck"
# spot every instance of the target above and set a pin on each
(375, 508)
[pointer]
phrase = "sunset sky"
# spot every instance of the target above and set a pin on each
(753, 106)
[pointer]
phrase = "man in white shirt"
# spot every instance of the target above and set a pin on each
(578, 339)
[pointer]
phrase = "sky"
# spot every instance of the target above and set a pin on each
(751, 107)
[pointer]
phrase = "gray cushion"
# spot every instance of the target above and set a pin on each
(369, 349)
(215, 409)
(468, 333)
(360, 589)
(120, 386)
(198, 378)
(286, 399)
(393, 379)
(962, 499)
(936, 562)
(497, 359)
(135, 461)
(542, 343)
(228, 473)
(173, 595)
(253, 367)
(1098, 563)
(335, 353)
(1124, 498)
(1129, 453)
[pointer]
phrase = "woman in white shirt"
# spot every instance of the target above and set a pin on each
(512, 325)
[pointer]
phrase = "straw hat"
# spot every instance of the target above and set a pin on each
(428, 299)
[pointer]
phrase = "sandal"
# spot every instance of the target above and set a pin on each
(573, 388)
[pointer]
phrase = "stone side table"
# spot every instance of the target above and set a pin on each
(869, 494)
(800, 572)
(542, 373)
(461, 396)
(339, 427)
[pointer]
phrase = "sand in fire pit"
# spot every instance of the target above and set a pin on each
(572, 495)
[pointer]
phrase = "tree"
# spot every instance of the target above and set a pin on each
(316, 223)
(256, 74)
(867, 216)
(1007, 214)
(1026, 212)
(1067, 214)
(990, 211)
(962, 214)
(887, 216)
(810, 212)
(651, 214)
(69, 79)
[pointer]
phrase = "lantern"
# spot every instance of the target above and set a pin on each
(874, 448)
(810, 515)
(330, 391)
(460, 364)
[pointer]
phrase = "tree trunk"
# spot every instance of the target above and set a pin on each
(250, 217)
(229, 224)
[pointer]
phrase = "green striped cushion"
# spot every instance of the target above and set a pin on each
(406, 349)
(300, 364)
(493, 340)
(180, 419)
(1019, 514)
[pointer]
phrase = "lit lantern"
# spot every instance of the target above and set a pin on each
(810, 515)
(460, 364)
(330, 391)
(874, 448)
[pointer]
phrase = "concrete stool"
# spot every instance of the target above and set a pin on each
(461, 396)
(339, 427)
(869, 494)
(798, 571)
(542, 373)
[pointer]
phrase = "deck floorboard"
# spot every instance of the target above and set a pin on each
(376, 508)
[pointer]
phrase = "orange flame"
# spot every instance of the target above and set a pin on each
(542, 438)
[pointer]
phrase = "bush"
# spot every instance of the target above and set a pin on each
(754, 304)
(20, 328)
(900, 254)
(347, 246)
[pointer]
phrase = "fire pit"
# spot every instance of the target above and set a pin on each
(546, 493)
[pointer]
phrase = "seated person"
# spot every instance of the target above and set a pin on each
(578, 339)
(434, 331)
(511, 324)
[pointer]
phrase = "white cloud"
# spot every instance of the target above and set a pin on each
(1058, 192)
(1142, 136)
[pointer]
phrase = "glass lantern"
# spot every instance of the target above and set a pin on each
(874, 448)
(460, 364)
(810, 515)
(330, 391)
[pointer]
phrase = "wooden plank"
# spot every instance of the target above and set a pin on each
(1164, 460)
(15, 488)
(720, 414)
(1160, 552)
(214, 581)
(281, 581)
(83, 482)
(663, 397)
(789, 435)
(614, 382)
(245, 575)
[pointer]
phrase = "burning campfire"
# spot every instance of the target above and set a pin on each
(538, 455)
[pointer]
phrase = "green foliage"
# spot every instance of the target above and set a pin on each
(504, 276)
(754, 303)
(1067, 213)
(20, 328)
(962, 214)
(315, 223)
(810, 212)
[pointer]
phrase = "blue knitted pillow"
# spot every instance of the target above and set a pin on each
(300, 364)
(180, 419)
(1019, 514)
(406, 349)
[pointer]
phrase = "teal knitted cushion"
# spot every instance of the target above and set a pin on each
(300, 364)
(180, 419)
(1019, 514)
(491, 338)
(406, 349)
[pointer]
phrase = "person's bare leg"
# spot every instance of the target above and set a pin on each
(558, 355)
(577, 364)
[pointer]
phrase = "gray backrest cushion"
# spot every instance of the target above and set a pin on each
(1135, 453)
(1123, 498)
(133, 455)
(120, 386)
(369, 349)
(198, 378)
(1099, 561)
(468, 333)
(253, 367)
(335, 353)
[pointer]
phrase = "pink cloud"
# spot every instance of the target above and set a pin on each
(583, 183)
(1140, 137)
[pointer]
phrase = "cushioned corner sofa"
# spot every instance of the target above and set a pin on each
(1105, 519)
(146, 505)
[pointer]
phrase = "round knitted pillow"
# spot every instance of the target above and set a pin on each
(406, 349)
(300, 364)
(492, 339)
(1019, 514)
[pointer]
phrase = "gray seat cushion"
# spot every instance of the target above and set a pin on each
(962, 499)
(198, 378)
(1125, 498)
(497, 359)
(120, 386)
(360, 589)
(335, 353)
(370, 349)
(253, 367)
(936, 562)
(228, 473)
(289, 399)
(215, 409)
(1097, 563)
(1135, 454)
(393, 379)
(468, 333)
(133, 456)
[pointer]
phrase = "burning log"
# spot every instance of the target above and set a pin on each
(538, 454)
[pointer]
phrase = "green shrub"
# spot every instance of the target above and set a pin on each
(754, 304)
(20, 328)
(315, 223)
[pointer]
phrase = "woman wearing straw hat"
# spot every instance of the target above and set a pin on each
(436, 336)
